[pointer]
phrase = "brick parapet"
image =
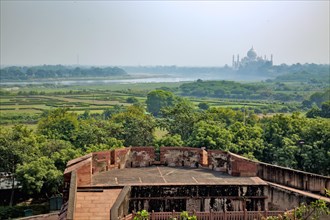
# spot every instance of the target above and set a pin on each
(141, 157)
(121, 156)
(241, 166)
(84, 174)
(101, 161)
(180, 156)
(218, 160)
(284, 176)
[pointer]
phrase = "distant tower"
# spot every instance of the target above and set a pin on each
(238, 62)
(234, 62)
(271, 59)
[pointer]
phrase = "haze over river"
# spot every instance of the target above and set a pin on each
(134, 79)
(84, 81)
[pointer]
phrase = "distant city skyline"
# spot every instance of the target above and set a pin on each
(149, 33)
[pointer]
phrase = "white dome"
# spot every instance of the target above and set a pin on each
(252, 54)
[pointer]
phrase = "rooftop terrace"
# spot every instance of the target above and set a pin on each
(162, 175)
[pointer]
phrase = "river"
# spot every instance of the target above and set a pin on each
(108, 81)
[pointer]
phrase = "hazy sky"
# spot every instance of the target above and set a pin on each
(161, 32)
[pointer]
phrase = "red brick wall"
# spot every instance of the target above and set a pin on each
(217, 160)
(101, 161)
(121, 156)
(141, 157)
(84, 173)
(180, 156)
(238, 166)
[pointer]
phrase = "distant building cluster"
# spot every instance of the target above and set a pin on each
(251, 61)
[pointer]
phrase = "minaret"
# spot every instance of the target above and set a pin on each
(233, 61)
(238, 62)
(271, 59)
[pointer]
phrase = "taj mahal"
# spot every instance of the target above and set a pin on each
(252, 60)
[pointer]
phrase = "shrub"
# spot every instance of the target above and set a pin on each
(142, 215)
(185, 216)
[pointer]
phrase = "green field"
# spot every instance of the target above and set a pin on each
(25, 104)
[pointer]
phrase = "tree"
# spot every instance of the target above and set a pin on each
(17, 146)
(39, 175)
(286, 141)
(315, 148)
(137, 126)
(219, 93)
(85, 115)
(313, 113)
(170, 140)
(113, 144)
(325, 109)
(224, 115)
(287, 153)
(180, 118)
(203, 105)
(318, 98)
(307, 104)
(132, 100)
(58, 124)
(107, 113)
(59, 151)
(211, 135)
(158, 99)
(246, 139)
(95, 132)
(324, 112)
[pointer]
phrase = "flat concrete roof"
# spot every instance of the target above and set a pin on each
(162, 175)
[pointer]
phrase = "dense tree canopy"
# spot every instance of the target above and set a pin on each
(324, 112)
(212, 135)
(137, 127)
(180, 118)
(158, 99)
(59, 124)
(40, 175)
(170, 140)
(56, 71)
(37, 159)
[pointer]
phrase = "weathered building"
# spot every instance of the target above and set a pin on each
(111, 184)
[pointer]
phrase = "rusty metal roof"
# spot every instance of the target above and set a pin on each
(162, 175)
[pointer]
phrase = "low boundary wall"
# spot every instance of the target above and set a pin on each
(120, 207)
(294, 178)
